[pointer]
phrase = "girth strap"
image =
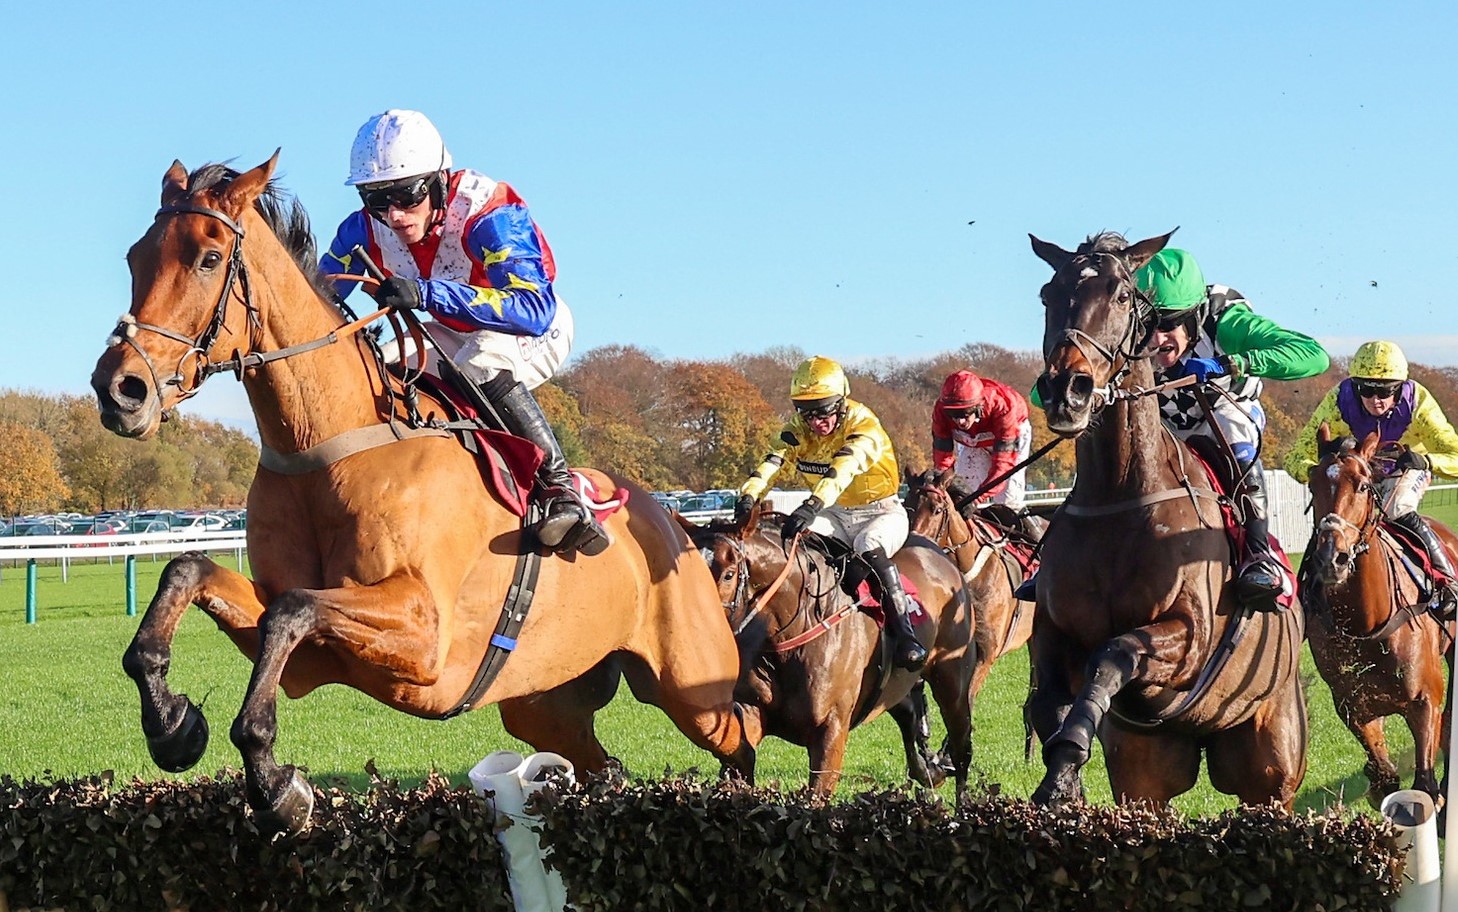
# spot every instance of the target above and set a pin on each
(513, 615)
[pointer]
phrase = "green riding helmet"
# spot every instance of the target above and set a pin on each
(1173, 280)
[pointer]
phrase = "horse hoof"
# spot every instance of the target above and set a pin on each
(289, 811)
(178, 750)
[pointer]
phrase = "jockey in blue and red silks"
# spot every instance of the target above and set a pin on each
(465, 248)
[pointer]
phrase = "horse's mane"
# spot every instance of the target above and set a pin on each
(284, 214)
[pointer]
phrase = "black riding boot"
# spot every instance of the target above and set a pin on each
(568, 523)
(1447, 599)
(1259, 582)
(906, 651)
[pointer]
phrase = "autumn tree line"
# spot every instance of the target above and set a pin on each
(664, 423)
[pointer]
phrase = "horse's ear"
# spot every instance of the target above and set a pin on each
(753, 520)
(1323, 434)
(1136, 255)
(247, 187)
(1051, 254)
(1369, 445)
(945, 476)
(687, 525)
(174, 182)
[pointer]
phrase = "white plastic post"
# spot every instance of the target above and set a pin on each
(497, 778)
(1413, 816)
(538, 770)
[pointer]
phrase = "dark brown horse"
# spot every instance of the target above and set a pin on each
(979, 549)
(1139, 638)
(811, 688)
(1377, 648)
(386, 569)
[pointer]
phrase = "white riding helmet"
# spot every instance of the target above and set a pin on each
(395, 145)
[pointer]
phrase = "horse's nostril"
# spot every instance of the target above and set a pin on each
(1080, 386)
(129, 391)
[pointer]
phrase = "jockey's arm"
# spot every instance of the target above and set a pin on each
(516, 296)
(865, 445)
(763, 477)
(1258, 347)
(339, 258)
(1431, 428)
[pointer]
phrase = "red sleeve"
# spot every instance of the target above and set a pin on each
(1006, 412)
(944, 451)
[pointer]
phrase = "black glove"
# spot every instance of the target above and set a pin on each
(1411, 460)
(796, 522)
(399, 293)
(742, 508)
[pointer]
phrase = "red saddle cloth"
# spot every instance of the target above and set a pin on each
(509, 464)
(1236, 533)
(872, 605)
(1413, 547)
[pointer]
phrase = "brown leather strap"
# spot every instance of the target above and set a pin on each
(339, 446)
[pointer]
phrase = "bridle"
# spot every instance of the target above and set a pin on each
(1332, 523)
(198, 347)
(943, 508)
(1141, 325)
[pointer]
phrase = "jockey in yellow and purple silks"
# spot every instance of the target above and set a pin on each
(465, 248)
(844, 455)
(1379, 396)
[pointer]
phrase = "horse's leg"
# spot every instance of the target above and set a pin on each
(1112, 666)
(1264, 758)
(1149, 766)
(911, 718)
(1381, 772)
(826, 749)
(1052, 655)
(1425, 720)
(955, 693)
(391, 625)
(561, 719)
(176, 730)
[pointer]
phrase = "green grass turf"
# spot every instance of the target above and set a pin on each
(68, 710)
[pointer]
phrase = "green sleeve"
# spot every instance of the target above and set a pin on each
(1264, 349)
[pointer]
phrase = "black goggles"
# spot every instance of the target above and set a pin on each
(405, 195)
(815, 411)
(1171, 321)
(1377, 389)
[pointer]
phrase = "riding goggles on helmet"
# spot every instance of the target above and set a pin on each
(1171, 320)
(817, 409)
(957, 413)
(404, 195)
(1377, 389)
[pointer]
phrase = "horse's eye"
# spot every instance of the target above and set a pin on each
(210, 260)
(1123, 296)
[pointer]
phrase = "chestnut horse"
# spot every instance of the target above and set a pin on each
(1377, 647)
(979, 550)
(387, 569)
(811, 688)
(1139, 637)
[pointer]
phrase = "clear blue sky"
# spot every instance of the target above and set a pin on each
(721, 178)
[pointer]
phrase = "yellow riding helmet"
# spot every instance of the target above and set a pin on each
(1379, 361)
(818, 378)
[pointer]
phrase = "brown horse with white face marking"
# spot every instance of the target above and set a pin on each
(385, 569)
(1139, 638)
(812, 663)
(1376, 646)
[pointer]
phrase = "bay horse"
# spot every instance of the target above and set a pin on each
(980, 551)
(386, 569)
(812, 666)
(1378, 649)
(1139, 637)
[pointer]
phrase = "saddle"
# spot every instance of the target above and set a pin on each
(1411, 547)
(509, 464)
(857, 581)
